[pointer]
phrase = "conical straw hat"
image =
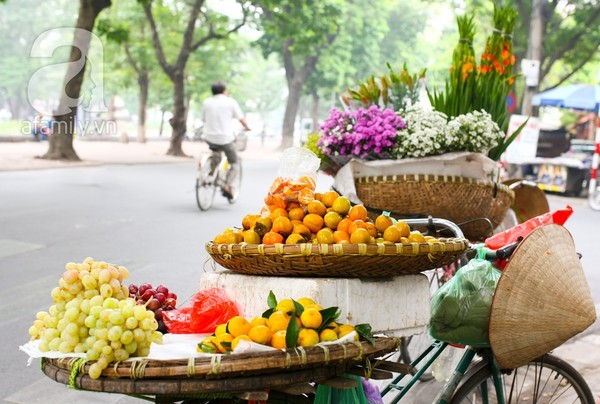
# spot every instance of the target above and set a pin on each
(530, 201)
(542, 298)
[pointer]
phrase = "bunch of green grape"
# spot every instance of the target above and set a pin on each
(93, 314)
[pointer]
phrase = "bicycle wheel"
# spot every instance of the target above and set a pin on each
(547, 379)
(206, 186)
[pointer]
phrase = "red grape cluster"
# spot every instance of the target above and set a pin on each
(157, 300)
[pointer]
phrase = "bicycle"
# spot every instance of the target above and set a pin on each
(542, 379)
(213, 172)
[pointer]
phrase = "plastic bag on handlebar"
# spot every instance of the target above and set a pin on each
(460, 309)
(295, 181)
(511, 235)
(207, 309)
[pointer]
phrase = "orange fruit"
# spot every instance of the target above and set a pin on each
(278, 212)
(223, 342)
(404, 240)
(232, 238)
(325, 236)
(382, 222)
(302, 230)
(307, 337)
(282, 225)
(295, 239)
(371, 229)
(316, 207)
(263, 225)
(404, 228)
(392, 234)
(318, 196)
(344, 225)
(258, 321)
(278, 339)
(311, 318)
(249, 220)
(237, 326)
(271, 237)
(296, 214)
(252, 237)
(416, 237)
(260, 334)
(328, 335)
(332, 220)
(360, 236)
(305, 301)
(345, 329)
(341, 237)
(329, 197)
(358, 212)
(313, 221)
(278, 320)
(341, 205)
(356, 224)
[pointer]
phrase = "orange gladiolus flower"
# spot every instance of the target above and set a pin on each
(506, 54)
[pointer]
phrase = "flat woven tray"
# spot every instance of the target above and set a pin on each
(337, 260)
(458, 199)
(220, 373)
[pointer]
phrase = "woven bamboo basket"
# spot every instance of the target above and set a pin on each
(220, 373)
(337, 260)
(458, 199)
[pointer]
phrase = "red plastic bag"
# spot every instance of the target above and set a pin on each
(511, 235)
(208, 308)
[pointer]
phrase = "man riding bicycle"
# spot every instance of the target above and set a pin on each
(218, 114)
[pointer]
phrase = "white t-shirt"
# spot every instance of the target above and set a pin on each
(219, 112)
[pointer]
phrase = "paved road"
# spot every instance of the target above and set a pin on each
(143, 217)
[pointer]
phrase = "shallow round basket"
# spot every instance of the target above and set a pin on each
(542, 298)
(458, 199)
(220, 373)
(337, 260)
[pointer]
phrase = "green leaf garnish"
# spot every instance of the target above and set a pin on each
(292, 332)
(365, 332)
(329, 314)
(271, 300)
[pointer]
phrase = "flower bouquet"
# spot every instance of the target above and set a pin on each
(385, 136)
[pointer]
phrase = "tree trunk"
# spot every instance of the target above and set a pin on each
(291, 110)
(314, 112)
(63, 128)
(144, 83)
(178, 120)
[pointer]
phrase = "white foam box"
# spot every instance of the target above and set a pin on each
(396, 306)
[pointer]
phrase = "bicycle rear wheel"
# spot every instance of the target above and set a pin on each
(547, 379)
(206, 186)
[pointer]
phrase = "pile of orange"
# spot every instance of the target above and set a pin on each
(272, 330)
(328, 218)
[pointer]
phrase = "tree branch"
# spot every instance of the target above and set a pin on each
(575, 69)
(160, 54)
(571, 42)
(131, 60)
(188, 35)
(213, 35)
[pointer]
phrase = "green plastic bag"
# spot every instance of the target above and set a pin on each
(330, 395)
(460, 309)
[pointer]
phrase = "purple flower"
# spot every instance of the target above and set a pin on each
(361, 133)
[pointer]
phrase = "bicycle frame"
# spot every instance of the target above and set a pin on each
(432, 353)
